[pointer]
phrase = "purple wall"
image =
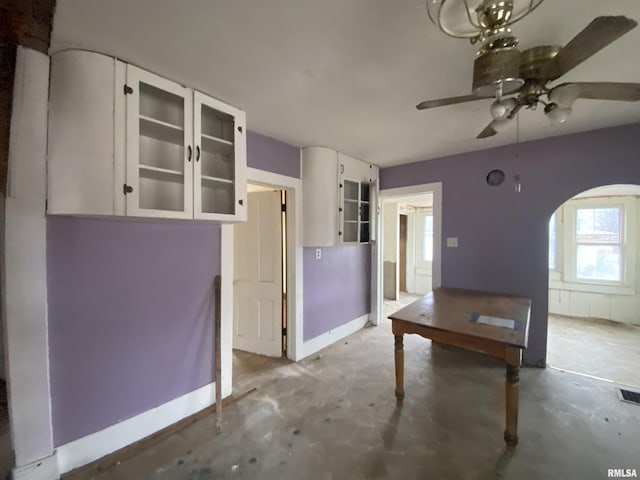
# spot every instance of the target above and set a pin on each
(337, 287)
(503, 235)
(272, 155)
(130, 317)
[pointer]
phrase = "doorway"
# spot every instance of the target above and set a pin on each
(260, 287)
(387, 257)
(594, 254)
(260, 274)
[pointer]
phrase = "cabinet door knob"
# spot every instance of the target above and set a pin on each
(127, 189)
(198, 153)
(189, 152)
(241, 202)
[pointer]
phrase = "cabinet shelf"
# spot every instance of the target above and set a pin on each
(160, 170)
(216, 179)
(166, 132)
(221, 141)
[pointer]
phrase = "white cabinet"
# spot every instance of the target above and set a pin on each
(219, 184)
(337, 190)
(123, 141)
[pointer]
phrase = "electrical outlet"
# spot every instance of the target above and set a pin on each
(452, 242)
(318, 253)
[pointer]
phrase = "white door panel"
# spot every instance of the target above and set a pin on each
(424, 252)
(258, 277)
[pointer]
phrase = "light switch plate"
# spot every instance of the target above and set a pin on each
(452, 242)
(318, 253)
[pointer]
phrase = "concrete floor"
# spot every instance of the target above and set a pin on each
(600, 348)
(336, 418)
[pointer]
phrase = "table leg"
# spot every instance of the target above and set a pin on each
(399, 358)
(512, 387)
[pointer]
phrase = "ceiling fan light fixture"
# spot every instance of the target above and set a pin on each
(472, 18)
(564, 95)
(502, 108)
(556, 114)
(500, 124)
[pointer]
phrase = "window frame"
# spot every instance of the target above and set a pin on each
(569, 278)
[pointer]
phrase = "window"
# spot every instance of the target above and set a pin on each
(427, 243)
(598, 234)
(592, 245)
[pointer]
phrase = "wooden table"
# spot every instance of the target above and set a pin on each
(453, 316)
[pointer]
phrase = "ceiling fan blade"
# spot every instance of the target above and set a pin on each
(625, 92)
(487, 132)
(448, 101)
(598, 34)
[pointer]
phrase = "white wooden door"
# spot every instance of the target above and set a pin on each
(423, 251)
(219, 160)
(257, 291)
(159, 147)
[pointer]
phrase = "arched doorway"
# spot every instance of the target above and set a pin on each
(594, 284)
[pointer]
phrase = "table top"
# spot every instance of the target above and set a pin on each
(456, 310)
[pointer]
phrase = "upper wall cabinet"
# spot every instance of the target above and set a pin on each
(339, 198)
(123, 141)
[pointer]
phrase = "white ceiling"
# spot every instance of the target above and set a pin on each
(345, 73)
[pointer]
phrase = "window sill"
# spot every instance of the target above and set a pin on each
(592, 288)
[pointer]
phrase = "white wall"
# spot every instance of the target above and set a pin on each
(625, 308)
(24, 273)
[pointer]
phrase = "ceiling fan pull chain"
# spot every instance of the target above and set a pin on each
(516, 177)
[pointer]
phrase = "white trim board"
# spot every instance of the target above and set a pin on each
(326, 339)
(44, 469)
(24, 268)
(293, 187)
(92, 447)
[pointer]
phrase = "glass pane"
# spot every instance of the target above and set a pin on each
(217, 165)
(217, 197)
(364, 232)
(364, 192)
(159, 154)
(364, 212)
(217, 124)
(427, 243)
(552, 242)
(350, 190)
(161, 191)
(351, 232)
(599, 262)
(350, 210)
(598, 225)
(160, 105)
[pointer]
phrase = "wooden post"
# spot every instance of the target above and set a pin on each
(399, 358)
(218, 353)
(513, 358)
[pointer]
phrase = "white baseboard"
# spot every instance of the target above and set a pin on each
(44, 469)
(321, 341)
(92, 447)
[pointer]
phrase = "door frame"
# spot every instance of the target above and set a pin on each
(390, 195)
(293, 187)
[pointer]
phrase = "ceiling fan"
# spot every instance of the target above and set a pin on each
(501, 70)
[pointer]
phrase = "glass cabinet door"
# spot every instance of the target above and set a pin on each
(159, 150)
(219, 188)
(355, 212)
